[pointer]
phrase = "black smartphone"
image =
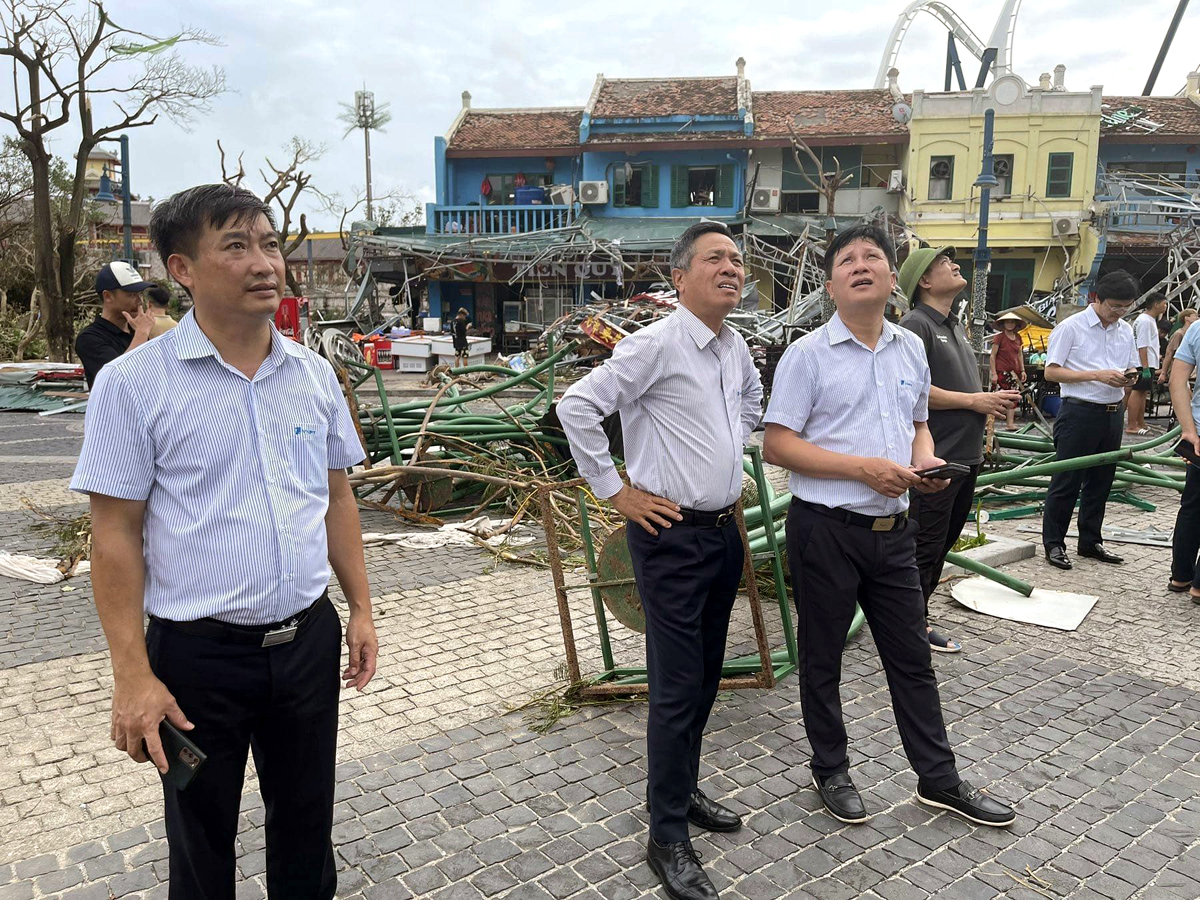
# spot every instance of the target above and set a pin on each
(1188, 452)
(184, 758)
(945, 470)
(1132, 375)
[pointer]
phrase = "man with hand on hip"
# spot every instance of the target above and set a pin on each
(1092, 356)
(689, 396)
(215, 460)
(848, 417)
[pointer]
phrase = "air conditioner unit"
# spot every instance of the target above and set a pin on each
(593, 192)
(765, 199)
(1065, 226)
(561, 194)
(896, 182)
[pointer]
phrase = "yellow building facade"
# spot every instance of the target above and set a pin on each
(1046, 143)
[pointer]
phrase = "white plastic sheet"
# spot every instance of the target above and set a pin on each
(1049, 609)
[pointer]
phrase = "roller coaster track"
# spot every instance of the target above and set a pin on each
(1001, 38)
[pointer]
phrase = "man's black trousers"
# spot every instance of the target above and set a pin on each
(282, 703)
(835, 564)
(940, 518)
(1081, 429)
(1185, 542)
(687, 578)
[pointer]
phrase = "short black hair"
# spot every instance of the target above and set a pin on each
(685, 248)
(1118, 285)
(159, 295)
(861, 232)
(177, 223)
(1156, 297)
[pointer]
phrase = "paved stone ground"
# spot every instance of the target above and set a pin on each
(443, 793)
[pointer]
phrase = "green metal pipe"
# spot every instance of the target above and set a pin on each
(971, 565)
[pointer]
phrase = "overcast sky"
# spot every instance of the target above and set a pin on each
(288, 64)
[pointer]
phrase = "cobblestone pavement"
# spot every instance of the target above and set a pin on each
(444, 793)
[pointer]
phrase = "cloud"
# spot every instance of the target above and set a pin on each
(289, 65)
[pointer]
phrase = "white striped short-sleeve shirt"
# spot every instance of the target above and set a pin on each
(688, 398)
(234, 472)
(845, 397)
(1084, 343)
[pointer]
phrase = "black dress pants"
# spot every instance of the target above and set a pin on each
(1081, 429)
(280, 702)
(940, 518)
(835, 564)
(1185, 543)
(687, 578)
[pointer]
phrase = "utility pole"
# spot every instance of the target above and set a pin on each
(366, 115)
(126, 208)
(983, 254)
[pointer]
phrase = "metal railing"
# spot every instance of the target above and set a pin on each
(497, 219)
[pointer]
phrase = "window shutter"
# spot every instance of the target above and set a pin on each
(679, 186)
(650, 186)
(618, 197)
(724, 194)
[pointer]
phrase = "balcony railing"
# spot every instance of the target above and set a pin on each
(496, 219)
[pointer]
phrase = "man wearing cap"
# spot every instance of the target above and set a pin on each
(1089, 356)
(123, 323)
(958, 411)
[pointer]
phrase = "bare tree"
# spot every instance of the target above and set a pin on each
(395, 209)
(285, 186)
(826, 183)
(65, 59)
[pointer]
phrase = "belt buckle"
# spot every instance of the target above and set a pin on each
(284, 635)
(884, 523)
(725, 518)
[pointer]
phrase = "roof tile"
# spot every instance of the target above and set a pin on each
(642, 97)
(517, 129)
(825, 113)
(1175, 115)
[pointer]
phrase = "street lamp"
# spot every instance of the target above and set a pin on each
(983, 254)
(105, 195)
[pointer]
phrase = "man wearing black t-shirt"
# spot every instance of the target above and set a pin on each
(123, 323)
(958, 411)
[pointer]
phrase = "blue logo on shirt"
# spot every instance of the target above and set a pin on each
(301, 430)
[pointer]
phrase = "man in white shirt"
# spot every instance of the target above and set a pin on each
(1089, 355)
(689, 396)
(1145, 336)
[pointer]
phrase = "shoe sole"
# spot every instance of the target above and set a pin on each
(959, 812)
(936, 649)
(866, 818)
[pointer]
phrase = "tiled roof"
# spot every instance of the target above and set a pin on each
(825, 113)
(1176, 115)
(646, 137)
(517, 129)
(639, 97)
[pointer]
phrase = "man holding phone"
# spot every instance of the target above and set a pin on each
(1092, 356)
(214, 457)
(849, 538)
(1185, 540)
(958, 410)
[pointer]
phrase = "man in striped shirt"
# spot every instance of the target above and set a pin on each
(215, 460)
(848, 417)
(689, 396)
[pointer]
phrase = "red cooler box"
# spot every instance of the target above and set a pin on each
(291, 318)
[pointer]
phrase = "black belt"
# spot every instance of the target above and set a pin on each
(875, 523)
(259, 635)
(1106, 407)
(707, 518)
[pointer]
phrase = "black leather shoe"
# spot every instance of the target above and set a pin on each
(841, 798)
(970, 803)
(1057, 557)
(1097, 551)
(711, 815)
(678, 865)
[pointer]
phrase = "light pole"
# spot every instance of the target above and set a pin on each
(105, 195)
(366, 115)
(983, 254)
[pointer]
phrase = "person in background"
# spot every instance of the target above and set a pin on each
(123, 324)
(158, 299)
(958, 411)
(1183, 322)
(1088, 356)
(1145, 333)
(459, 329)
(1007, 361)
(1185, 400)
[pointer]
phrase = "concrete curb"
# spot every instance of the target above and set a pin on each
(996, 552)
